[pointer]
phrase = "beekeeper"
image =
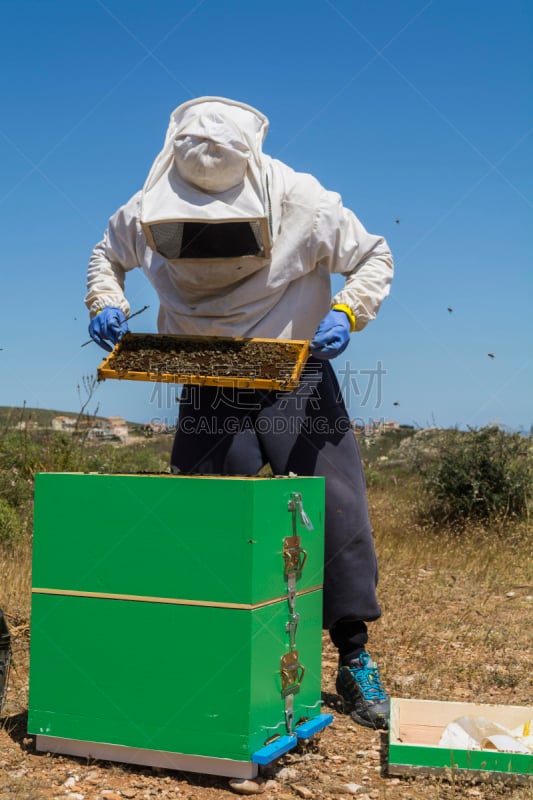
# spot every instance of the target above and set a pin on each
(236, 243)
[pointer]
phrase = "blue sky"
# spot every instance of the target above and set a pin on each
(417, 112)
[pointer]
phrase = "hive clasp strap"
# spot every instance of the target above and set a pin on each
(297, 507)
(294, 557)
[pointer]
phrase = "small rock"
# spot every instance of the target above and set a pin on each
(405, 680)
(18, 773)
(287, 774)
(393, 782)
(246, 786)
(271, 786)
(70, 782)
(474, 793)
(302, 791)
(109, 794)
(75, 796)
(92, 776)
(353, 788)
(128, 792)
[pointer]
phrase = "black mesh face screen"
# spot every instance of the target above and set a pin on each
(175, 240)
(167, 238)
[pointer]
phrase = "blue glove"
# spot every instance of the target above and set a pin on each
(332, 336)
(109, 325)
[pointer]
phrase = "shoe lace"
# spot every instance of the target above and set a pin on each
(369, 680)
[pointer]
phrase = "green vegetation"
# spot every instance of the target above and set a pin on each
(481, 474)
(457, 477)
(10, 529)
(454, 476)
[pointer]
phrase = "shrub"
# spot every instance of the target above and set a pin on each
(477, 474)
(10, 525)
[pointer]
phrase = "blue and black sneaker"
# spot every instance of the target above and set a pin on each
(364, 697)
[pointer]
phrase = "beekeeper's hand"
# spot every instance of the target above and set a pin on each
(333, 335)
(108, 327)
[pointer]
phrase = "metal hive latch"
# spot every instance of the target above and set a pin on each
(293, 554)
(292, 673)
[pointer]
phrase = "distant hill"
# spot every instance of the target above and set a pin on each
(11, 415)
(379, 447)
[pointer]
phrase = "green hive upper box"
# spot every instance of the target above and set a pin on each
(161, 618)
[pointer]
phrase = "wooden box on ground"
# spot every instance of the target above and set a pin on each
(416, 727)
(160, 616)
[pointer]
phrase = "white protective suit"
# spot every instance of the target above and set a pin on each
(269, 279)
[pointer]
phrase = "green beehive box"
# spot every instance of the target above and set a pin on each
(160, 614)
(417, 725)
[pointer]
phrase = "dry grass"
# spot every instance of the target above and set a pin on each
(457, 609)
(15, 569)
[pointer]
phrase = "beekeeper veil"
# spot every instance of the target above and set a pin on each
(206, 196)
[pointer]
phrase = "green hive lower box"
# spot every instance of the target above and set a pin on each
(417, 725)
(176, 621)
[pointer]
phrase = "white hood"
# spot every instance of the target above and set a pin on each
(210, 170)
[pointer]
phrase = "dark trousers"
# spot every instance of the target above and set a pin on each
(235, 432)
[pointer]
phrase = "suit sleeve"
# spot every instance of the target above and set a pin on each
(345, 246)
(119, 251)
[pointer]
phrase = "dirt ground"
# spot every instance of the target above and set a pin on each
(345, 761)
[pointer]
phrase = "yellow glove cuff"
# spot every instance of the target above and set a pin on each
(349, 313)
